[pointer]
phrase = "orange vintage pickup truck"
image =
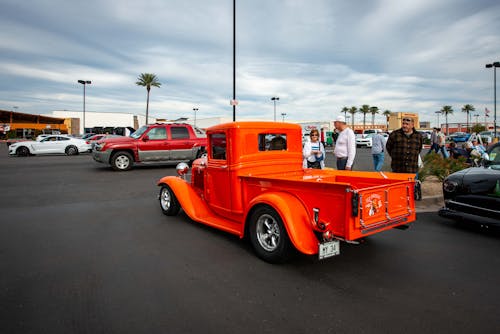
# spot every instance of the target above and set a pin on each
(252, 184)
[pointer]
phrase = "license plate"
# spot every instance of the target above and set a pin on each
(329, 249)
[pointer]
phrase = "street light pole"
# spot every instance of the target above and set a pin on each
(274, 99)
(84, 83)
(494, 65)
(438, 113)
(283, 114)
(195, 110)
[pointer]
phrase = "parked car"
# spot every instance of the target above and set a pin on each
(152, 143)
(474, 193)
(459, 137)
(49, 145)
(364, 140)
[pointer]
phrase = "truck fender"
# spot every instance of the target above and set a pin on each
(294, 216)
(188, 198)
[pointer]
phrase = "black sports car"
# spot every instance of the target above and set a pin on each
(474, 193)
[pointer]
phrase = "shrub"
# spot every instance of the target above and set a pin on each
(436, 165)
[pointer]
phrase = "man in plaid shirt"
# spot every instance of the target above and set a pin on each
(404, 146)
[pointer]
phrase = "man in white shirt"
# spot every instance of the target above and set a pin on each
(345, 146)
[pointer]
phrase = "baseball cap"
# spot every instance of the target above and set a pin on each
(340, 118)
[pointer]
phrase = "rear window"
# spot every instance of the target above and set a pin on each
(218, 146)
(272, 141)
(179, 132)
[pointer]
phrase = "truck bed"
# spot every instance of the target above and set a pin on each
(352, 204)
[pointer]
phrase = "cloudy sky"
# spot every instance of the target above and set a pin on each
(317, 56)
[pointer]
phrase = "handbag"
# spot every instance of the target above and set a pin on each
(315, 164)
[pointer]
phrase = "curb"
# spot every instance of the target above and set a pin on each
(429, 204)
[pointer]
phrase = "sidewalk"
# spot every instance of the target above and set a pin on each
(432, 196)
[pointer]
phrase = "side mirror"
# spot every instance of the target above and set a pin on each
(145, 138)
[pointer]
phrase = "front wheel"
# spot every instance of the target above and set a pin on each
(22, 151)
(122, 161)
(168, 202)
(268, 235)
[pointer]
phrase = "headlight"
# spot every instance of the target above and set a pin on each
(99, 146)
(450, 186)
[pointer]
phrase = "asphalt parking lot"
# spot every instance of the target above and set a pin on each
(84, 249)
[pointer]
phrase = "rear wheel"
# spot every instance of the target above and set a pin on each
(268, 235)
(122, 161)
(71, 150)
(22, 151)
(168, 202)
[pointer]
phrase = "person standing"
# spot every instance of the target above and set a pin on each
(345, 146)
(314, 152)
(442, 143)
(378, 143)
(434, 141)
(404, 146)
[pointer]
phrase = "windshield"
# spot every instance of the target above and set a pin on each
(139, 132)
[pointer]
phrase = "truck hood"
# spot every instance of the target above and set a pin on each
(118, 140)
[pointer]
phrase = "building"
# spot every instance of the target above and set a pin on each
(100, 119)
(396, 119)
(27, 125)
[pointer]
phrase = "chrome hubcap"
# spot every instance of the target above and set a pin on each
(165, 199)
(268, 232)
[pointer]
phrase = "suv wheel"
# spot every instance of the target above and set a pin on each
(122, 161)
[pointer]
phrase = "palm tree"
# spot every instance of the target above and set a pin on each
(387, 113)
(445, 111)
(365, 109)
(345, 110)
(352, 111)
(147, 80)
(468, 108)
(373, 111)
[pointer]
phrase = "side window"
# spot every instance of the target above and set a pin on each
(157, 133)
(218, 146)
(495, 155)
(62, 138)
(272, 141)
(179, 132)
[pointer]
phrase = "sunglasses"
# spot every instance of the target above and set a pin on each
(407, 120)
(314, 135)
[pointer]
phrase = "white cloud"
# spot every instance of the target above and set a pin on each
(316, 56)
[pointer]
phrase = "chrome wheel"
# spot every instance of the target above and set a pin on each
(268, 232)
(165, 199)
(168, 202)
(268, 235)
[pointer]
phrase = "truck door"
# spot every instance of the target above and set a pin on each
(153, 145)
(218, 188)
(181, 143)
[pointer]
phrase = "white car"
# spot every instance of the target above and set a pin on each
(364, 140)
(50, 145)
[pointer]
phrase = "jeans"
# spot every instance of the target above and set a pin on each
(444, 151)
(341, 163)
(378, 161)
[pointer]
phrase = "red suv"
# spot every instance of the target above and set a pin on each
(152, 143)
